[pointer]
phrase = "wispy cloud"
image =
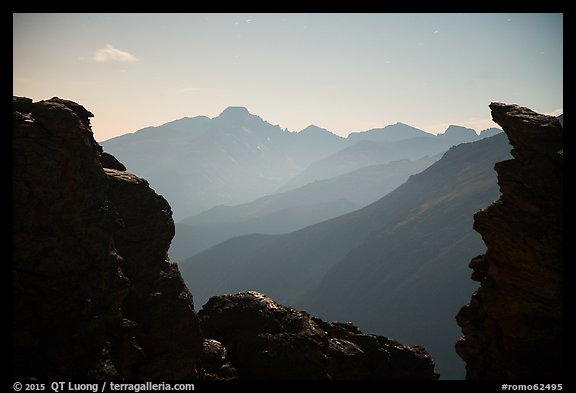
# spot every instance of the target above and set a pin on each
(109, 53)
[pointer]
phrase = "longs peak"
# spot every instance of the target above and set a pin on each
(234, 111)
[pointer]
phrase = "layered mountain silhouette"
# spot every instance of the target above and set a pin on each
(393, 266)
(199, 163)
(376, 149)
(295, 209)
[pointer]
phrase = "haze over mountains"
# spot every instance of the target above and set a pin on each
(378, 150)
(198, 163)
(294, 209)
(394, 266)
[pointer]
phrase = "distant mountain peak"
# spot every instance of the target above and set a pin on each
(457, 130)
(490, 132)
(314, 129)
(234, 112)
(392, 132)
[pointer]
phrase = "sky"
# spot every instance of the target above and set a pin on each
(340, 71)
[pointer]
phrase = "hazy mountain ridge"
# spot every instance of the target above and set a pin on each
(404, 276)
(292, 210)
(390, 133)
(200, 162)
(357, 225)
(371, 152)
(291, 267)
(192, 239)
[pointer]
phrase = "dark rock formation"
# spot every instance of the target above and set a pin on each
(214, 362)
(109, 161)
(95, 295)
(265, 340)
(513, 324)
(158, 299)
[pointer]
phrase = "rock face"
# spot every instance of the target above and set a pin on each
(513, 324)
(95, 295)
(268, 341)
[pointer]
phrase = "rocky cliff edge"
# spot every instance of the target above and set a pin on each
(95, 295)
(513, 325)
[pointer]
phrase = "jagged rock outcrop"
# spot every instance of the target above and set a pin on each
(266, 340)
(95, 295)
(214, 362)
(513, 324)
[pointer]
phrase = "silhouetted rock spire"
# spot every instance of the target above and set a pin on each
(513, 324)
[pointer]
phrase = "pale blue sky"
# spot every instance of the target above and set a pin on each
(344, 72)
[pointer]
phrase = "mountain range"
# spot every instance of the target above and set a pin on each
(394, 266)
(198, 163)
(294, 209)
(364, 152)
